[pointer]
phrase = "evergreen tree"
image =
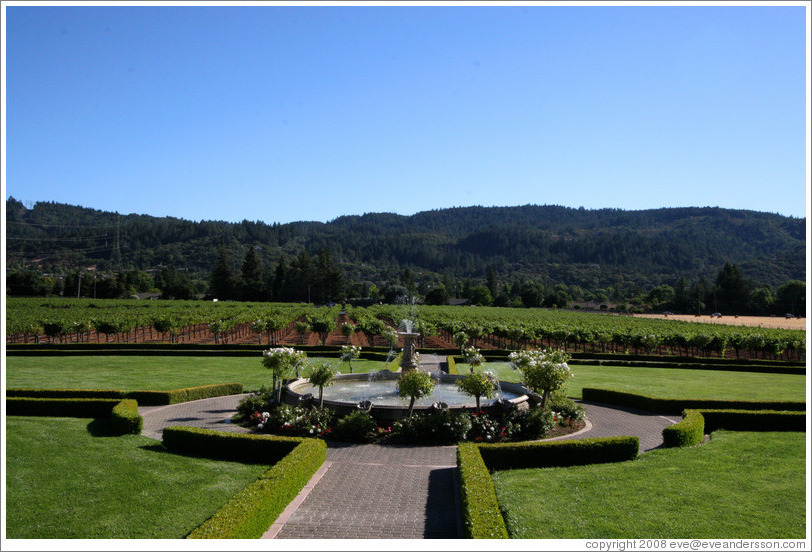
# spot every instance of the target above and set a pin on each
(252, 277)
(222, 283)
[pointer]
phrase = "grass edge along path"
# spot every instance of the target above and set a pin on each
(739, 485)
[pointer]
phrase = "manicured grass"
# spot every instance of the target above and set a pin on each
(149, 372)
(67, 478)
(674, 383)
(740, 485)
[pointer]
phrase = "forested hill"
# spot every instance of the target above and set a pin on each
(552, 244)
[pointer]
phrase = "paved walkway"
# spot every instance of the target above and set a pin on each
(384, 492)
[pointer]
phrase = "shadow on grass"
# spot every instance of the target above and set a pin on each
(100, 427)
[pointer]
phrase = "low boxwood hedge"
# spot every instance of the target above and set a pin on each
(252, 511)
(750, 420)
(481, 516)
(66, 393)
(575, 452)
(144, 398)
(452, 365)
(123, 413)
(124, 418)
(67, 408)
(689, 432)
(677, 406)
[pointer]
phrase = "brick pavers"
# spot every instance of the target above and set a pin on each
(214, 413)
(608, 421)
(380, 492)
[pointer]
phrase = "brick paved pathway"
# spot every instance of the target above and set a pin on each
(378, 492)
(374, 491)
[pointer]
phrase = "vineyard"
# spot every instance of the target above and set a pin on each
(63, 320)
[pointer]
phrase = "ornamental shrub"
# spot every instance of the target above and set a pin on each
(356, 427)
(534, 423)
(260, 401)
(484, 429)
(435, 427)
(569, 412)
(299, 421)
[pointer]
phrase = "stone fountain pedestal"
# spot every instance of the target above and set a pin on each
(408, 361)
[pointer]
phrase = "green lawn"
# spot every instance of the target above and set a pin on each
(66, 478)
(674, 383)
(740, 485)
(149, 372)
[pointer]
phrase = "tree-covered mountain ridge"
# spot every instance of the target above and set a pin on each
(591, 248)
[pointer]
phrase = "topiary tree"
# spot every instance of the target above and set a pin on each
(348, 353)
(542, 371)
(414, 384)
(473, 357)
(321, 376)
(281, 361)
(478, 384)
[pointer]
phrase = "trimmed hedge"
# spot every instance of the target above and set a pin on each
(123, 413)
(689, 432)
(124, 418)
(677, 406)
(221, 445)
(481, 516)
(452, 365)
(144, 398)
(576, 452)
(252, 511)
(750, 420)
(175, 396)
(66, 393)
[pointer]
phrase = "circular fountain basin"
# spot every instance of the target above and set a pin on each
(380, 388)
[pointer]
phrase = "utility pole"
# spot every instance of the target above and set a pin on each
(79, 286)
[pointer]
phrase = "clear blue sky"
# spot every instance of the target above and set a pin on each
(308, 113)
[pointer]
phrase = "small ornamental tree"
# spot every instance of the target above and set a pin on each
(348, 353)
(478, 384)
(391, 337)
(280, 361)
(414, 384)
(321, 376)
(542, 371)
(347, 330)
(473, 357)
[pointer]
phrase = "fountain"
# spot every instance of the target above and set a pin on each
(348, 390)
(408, 362)
(377, 394)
